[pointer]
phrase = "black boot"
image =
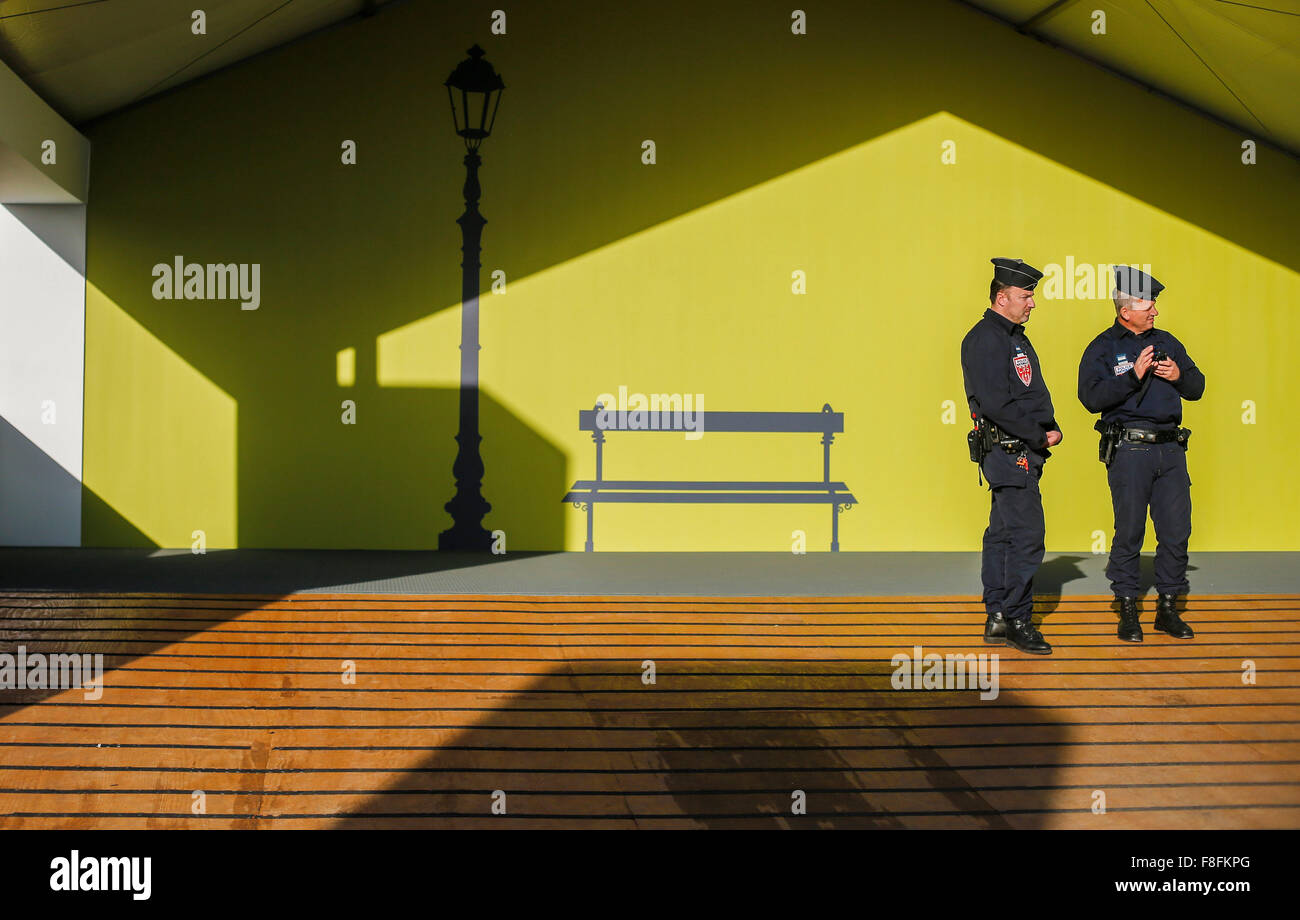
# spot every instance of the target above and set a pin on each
(995, 629)
(1130, 623)
(1021, 634)
(1167, 618)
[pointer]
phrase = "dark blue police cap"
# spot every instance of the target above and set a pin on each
(1015, 272)
(1136, 283)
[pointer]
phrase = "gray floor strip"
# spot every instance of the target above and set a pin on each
(252, 571)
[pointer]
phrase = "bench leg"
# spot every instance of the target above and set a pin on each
(835, 527)
(590, 510)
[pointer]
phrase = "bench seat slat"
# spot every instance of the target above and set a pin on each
(708, 485)
(746, 422)
(779, 498)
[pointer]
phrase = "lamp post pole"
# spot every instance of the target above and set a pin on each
(468, 506)
(473, 78)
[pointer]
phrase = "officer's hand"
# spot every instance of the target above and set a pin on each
(1168, 369)
(1144, 361)
(1053, 438)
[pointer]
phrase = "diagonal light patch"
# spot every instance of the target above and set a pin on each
(43, 330)
(168, 487)
(894, 247)
(42, 298)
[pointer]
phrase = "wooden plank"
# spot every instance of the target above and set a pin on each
(242, 697)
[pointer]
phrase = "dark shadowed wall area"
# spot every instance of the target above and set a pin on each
(800, 239)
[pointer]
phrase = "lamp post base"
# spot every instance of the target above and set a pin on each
(468, 506)
(465, 540)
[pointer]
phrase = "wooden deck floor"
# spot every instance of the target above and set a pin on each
(236, 706)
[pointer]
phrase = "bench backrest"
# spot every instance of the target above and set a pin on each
(825, 421)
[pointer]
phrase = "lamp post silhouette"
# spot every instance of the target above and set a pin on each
(479, 88)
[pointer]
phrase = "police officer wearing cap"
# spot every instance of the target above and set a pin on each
(1016, 425)
(1137, 377)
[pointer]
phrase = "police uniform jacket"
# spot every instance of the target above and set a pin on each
(1109, 385)
(1004, 382)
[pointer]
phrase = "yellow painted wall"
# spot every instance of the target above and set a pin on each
(163, 439)
(776, 153)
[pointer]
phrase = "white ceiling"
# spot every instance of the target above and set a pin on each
(89, 57)
(1236, 60)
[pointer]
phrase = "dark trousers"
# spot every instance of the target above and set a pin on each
(1151, 476)
(1013, 542)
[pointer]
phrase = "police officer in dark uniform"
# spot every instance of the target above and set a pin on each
(1016, 424)
(1137, 377)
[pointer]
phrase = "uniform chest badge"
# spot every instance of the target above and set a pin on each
(1024, 370)
(1122, 365)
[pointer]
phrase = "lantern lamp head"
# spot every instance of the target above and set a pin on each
(474, 90)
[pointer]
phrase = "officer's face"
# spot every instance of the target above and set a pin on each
(1018, 305)
(1140, 315)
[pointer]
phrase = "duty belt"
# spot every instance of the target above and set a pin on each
(1162, 436)
(1005, 441)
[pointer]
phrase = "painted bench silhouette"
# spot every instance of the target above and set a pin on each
(586, 493)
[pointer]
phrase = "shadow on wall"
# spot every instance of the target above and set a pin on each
(305, 460)
(40, 501)
(590, 745)
(382, 483)
(60, 227)
(350, 253)
(98, 517)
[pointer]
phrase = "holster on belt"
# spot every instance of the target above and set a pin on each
(977, 439)
(1110, 435)
(984, 437)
